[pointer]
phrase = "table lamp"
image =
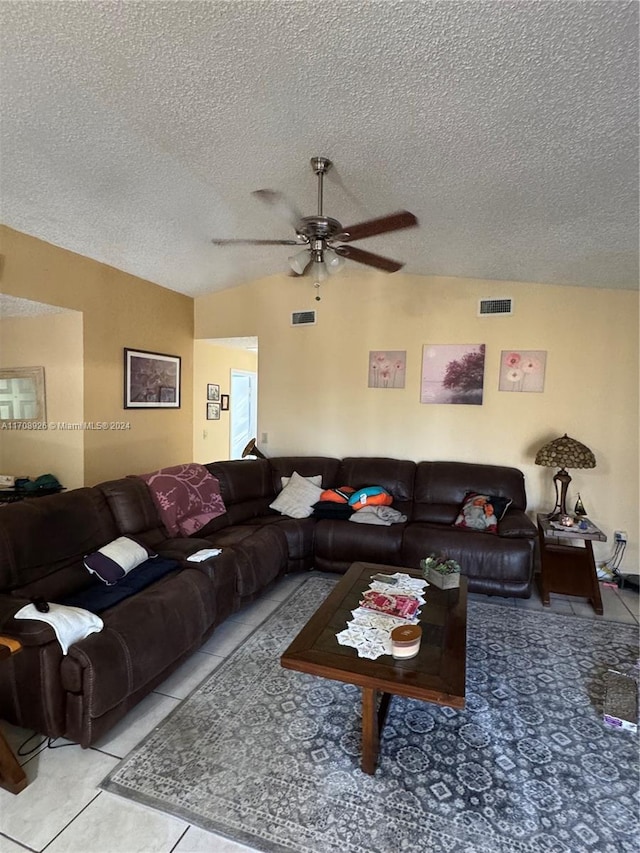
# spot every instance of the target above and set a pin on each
(564, 453)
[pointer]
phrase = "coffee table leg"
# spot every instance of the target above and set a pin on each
(12, 776)
(370, 731)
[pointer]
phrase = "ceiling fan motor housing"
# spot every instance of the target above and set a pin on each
(319, 227)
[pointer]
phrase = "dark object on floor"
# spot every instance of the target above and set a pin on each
(629, 582)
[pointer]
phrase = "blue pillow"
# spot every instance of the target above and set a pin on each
(370, 496)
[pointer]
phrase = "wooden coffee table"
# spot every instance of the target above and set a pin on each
(436, 674)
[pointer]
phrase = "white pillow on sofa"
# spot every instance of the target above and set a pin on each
(297, 497)
(316, 479)
(114, 561)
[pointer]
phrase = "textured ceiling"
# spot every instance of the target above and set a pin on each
(13, 306)
(134, 132)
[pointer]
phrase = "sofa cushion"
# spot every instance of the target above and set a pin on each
(481, 512)
(43, 536)
(306, 466)
(297, 498)
(133, 509)
(115, 560)
(439, 484)
(344, 543)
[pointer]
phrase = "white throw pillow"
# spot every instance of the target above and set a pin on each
(316, 480)
(297, 498)
(114, 561)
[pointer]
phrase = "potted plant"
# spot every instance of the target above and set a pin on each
(441, 571)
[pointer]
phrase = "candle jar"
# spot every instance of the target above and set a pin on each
(405, 641)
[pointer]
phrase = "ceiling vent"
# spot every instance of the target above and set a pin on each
(303, 318)
(491, 307)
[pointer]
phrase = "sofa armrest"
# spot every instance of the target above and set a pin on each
(516, 524)
(8, 606)
(30, 632)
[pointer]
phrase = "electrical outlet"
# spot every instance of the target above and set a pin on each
(620, 535)
(265, 438)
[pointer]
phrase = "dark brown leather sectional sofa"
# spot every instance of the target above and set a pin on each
(147, 635)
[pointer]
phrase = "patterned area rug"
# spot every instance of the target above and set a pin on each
(270, 757)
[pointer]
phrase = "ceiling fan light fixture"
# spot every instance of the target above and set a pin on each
(319, 271)
(332, 261)
(299, 262)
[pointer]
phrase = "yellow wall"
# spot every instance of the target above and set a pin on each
(313, 394)
(52, 341)
(213, 363)
(118, 310)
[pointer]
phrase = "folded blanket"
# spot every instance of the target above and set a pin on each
(384, 515)
(70, 623)
(187, 497)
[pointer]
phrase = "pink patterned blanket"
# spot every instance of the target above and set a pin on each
(187, 497)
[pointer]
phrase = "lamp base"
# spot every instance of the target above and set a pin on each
(561, 481)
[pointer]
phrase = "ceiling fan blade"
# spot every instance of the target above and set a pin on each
(224, 242)
(280, 205)
(392, 222)
(362, 257)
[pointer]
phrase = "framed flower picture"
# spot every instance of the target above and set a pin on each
(387, 368)
(522, 370)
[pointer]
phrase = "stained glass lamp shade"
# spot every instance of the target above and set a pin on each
(563, 453)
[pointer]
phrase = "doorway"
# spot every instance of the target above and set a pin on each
(243, 409)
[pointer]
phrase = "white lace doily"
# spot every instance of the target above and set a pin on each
(369, 633)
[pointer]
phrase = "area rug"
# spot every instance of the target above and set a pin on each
(270, 758)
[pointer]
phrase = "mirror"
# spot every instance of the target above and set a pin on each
(22, 396)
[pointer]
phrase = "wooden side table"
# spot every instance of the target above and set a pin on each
(12, 776)
(566, 562)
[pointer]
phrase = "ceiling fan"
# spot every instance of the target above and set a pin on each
(323, 240)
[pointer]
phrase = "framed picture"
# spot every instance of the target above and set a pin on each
(453, 373)
(213, 393)
(387, 368)
(224, 402)
(151, 380)
(22, 396)
(522, 370)
(213, 411)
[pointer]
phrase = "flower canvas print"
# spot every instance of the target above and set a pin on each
(453, 373)
(522, 370)
(387, 368)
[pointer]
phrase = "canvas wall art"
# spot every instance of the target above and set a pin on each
(453, 373)
(387, 368)
(522, 370)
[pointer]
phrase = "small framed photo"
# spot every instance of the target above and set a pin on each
(224, 402)
(213, 411)
(213, 393)
(151, 380)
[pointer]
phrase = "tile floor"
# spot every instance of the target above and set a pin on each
(62, 810)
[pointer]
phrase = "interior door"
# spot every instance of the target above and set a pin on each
(243, 410)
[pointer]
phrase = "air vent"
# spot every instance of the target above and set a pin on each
(303, 318)
(490, 307)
